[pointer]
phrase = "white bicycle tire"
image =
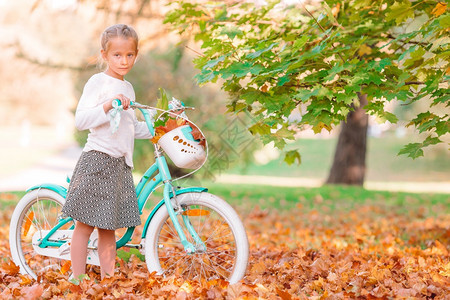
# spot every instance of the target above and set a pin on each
(17, 217)
(214, 203)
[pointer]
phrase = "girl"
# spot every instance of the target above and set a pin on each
(101, 193)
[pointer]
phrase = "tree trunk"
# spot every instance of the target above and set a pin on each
(349, 165)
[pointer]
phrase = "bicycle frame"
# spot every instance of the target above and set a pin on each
(148, 183)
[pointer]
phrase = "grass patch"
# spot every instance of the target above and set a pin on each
(327, 198)
(9, 199)
(383, 163)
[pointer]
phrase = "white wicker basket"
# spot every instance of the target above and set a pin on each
(182, 148)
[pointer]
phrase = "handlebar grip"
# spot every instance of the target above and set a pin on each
(119, 103)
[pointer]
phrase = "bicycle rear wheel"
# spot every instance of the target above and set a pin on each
(219, 227)
(38, 211)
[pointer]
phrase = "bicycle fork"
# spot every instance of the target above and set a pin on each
(188, 246)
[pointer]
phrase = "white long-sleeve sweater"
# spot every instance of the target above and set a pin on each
(90, 115)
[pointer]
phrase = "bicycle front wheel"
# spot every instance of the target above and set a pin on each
(36, 213)
(223, 252)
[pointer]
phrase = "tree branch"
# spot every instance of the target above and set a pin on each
(197, 52)
(413, 82)
(407, 41)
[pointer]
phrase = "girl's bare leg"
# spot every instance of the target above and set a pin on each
(107, 251)
(78, 248)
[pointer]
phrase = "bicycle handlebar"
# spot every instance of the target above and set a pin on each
(143, 108)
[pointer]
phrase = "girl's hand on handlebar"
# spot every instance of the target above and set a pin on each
(125, 102)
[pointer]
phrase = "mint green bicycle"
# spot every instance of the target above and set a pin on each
(190, 233)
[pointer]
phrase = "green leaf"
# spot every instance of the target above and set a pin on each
(79, 279)
(221, 14)
(317, 128)
(346, 98)
(375, 78)
(305, 94)
(400, 11)
(413, 150)
(292, 156)
(258, 53)
(299, 43)
(237, 69)
(431, 141)
(126, 255)
(380, 65)
(162, 103)
(409, 50)
(256, 69)
(231, 31)
(237, 106)
(425, 121)
(259, 128)
(212, 63)
(442, 128)
(283, 80)
(390, 117)
(279, 143)
(444, 21)
(284, 133)
(336, 69)
(416, 55)
(205, 76)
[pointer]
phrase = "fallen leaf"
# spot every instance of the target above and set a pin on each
(33, 292)
(284, 295)
(66, 267)
(10, 267)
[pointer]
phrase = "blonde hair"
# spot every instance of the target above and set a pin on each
(118, 30)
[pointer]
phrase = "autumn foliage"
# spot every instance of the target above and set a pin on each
(367, 251)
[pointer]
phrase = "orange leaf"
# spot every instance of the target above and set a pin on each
(10, 267)
(335, 10)
(264, 88)
(284, 295)
(439, 9)
(26, 280)
(259, 268)
(27, 225)
(66, 267)
(171, 124)
(32, 292)
(159, 132)
(196, 134)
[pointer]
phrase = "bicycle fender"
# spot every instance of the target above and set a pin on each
(161, 203)
(54, 187)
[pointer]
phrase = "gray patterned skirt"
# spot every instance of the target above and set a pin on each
(101, 192)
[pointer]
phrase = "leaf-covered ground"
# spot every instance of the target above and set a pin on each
(369, 250)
